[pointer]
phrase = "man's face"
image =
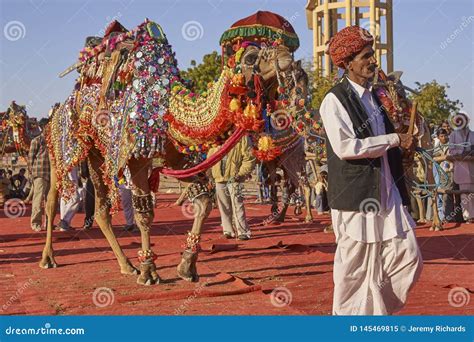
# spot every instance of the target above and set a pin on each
(446, 126)
(364, 64)
(443, 138)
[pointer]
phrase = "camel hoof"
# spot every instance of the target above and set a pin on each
(328, 229)
(148, 274)
(148, 280)
(187, 267)
(129, 269)
(308, 219)
(46, 264)
(298, 211)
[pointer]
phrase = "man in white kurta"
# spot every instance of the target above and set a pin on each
(377, 258)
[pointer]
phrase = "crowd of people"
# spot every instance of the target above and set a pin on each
(454, 178)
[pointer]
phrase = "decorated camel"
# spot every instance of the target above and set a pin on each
(130, 108)
(17, 130)
(406, 119)
(285, 131)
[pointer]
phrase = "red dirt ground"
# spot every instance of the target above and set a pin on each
(237, 277)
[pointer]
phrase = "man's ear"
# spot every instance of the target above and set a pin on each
(348, 65)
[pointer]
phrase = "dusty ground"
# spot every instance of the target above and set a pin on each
(236, 277)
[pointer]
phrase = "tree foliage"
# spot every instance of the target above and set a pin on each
(201, 74)
(433, 101)
(319, 85)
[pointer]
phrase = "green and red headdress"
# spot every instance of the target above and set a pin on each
(262, 27)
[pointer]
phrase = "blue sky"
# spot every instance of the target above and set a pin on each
(433, 39)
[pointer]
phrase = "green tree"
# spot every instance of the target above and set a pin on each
(433, 102)
(319, 85)
(201, 74)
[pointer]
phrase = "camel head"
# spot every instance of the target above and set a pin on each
(265, 61)
(392, 93)
(260, 45)
(16, 115)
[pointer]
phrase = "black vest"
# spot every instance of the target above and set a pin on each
(352, 181)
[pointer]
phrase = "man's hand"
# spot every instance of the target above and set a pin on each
(407, 142)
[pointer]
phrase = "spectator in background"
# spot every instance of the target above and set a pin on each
(229, 174)
(447, 127)
(461, 143)
(4, 186)
(262, 182)
(440, 153)
(125, 188)
(38, 163)
(321, 189)
(69, 208)
(89, 196)
(19, 182)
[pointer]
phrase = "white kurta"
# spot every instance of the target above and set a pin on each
(377, 258)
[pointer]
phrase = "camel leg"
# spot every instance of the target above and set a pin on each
(102, 214)
(143, 206)
(202, 207)
(421, 210)
(290, 190)
(436, 225)
(273, 194)
(182, 196)
(307, 201)
(47, 259)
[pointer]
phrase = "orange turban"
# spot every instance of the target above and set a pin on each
(347, 43)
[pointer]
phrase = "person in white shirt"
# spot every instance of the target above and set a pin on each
(125, 188)
(377, 259)
(69, 207)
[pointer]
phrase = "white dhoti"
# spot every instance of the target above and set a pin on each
(70, 207)
(374, 278)
(467, 201)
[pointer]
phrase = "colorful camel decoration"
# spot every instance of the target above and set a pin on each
(130, 108)
(17, 130)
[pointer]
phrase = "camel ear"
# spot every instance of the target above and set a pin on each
(395, 76)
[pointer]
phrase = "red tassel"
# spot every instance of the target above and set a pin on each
(208, 163)
(154, 179)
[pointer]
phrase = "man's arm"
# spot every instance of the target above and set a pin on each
(248, 161)
(342, 137)
(32, 153)
(453, 148)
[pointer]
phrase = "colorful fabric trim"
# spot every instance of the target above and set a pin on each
(260, 33)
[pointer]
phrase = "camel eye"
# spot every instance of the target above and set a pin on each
(251, 59)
